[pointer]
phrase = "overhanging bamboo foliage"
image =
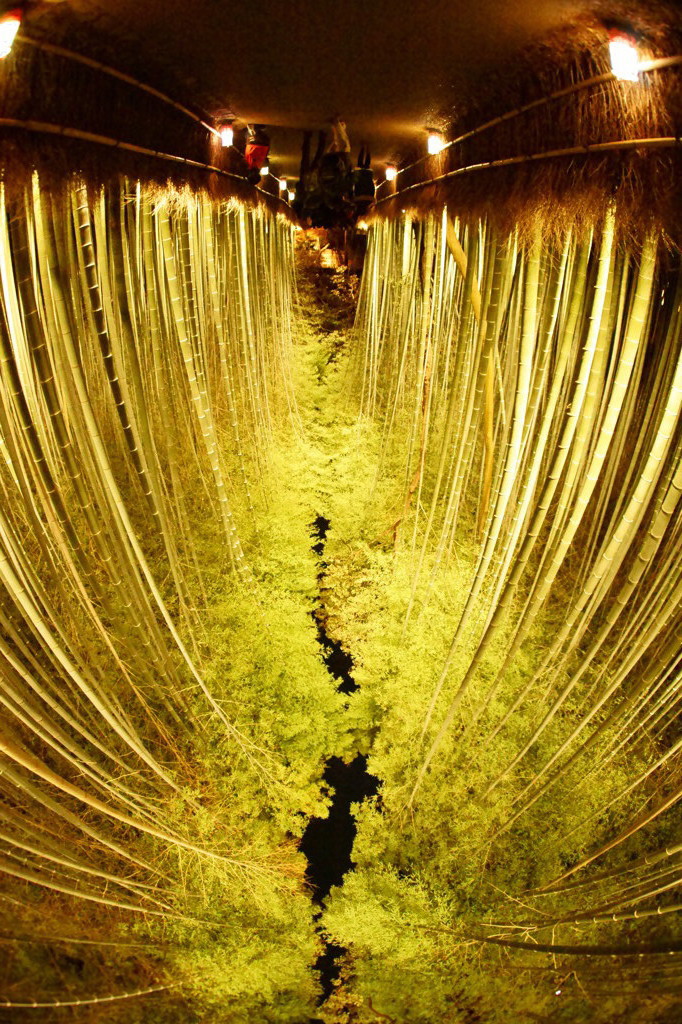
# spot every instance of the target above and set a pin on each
(532, 394)
(499, 452)
(145, 344)
(553, 135)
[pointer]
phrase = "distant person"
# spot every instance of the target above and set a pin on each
(256, 152)
(335, 178)
(363, 183)
(340, 142)
(307, 189)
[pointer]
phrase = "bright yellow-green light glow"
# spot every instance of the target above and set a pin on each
(624, 57)
(435, 143)
(9, 26)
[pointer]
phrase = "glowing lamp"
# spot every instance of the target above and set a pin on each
(282, 184)
(226, 135)
(391, 172)
(264, 171)
(624, 56)
(435, 143)
(291, 195)
(9, 26)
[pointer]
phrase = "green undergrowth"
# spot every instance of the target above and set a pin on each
(259, 656)
(428, 872)
(430, 867)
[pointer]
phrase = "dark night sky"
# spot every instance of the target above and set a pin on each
(386, 67)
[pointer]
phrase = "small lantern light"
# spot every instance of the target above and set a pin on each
(9, 26)
(391, 172)
(282, 184)
(226, 135)
(265, 170)
(291, 195)
(435, 143)
(624, 55)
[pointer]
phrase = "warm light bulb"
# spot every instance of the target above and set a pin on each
(9, 26)
(291, 195)
(264, 171)
(226, 135)
(624, 56)
(362, 225)
(391, 172)
(282, 184)
(435, 143)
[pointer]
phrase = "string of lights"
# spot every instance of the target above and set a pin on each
(625, 66)
(662, 142)
(47, 128)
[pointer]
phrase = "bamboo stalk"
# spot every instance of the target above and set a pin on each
(65, 131)
(615, 146)
(7, 1004)
(657, 64)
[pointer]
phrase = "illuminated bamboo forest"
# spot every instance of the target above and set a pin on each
(466, 480)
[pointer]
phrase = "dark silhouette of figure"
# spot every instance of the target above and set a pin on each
(324, 195)
(308, 179)
(363, 183)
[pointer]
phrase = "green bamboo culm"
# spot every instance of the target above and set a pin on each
(145, 368)
(530, 694)
(497, 445)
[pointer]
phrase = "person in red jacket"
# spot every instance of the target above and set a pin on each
(256, 152)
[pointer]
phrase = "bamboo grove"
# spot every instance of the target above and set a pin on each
(526, 396)
(145, 364)
(497, 447)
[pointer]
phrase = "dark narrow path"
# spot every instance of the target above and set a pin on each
(328, 842)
